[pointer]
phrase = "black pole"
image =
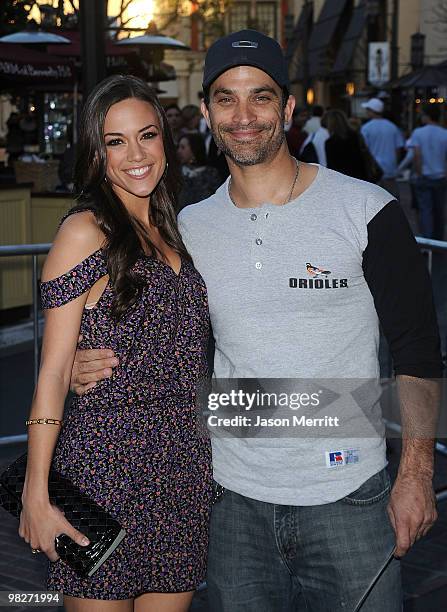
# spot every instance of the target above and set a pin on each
(395, 41)
(396, 107)
(92, 22)
(305, 62)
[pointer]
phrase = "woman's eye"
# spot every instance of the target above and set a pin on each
(114, 142)
(149, 135)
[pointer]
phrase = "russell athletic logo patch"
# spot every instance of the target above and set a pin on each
(340, 458)
(317, 278)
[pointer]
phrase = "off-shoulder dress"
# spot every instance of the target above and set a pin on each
(134, 442)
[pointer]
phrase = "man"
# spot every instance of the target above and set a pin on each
(318, 140)
(430, 156)
(385, 141)
(296, 135)
(191, 119)
(314, 123)
(294, 525)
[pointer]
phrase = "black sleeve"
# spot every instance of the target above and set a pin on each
(399, 282)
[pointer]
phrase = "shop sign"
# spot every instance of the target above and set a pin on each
(18, 70)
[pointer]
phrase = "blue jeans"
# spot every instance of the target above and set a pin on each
(430, 195)
(272, 558)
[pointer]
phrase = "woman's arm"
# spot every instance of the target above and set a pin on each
(77, 238)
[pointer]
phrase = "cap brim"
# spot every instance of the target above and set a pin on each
(214, 75)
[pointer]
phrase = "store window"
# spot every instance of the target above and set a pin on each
(240, 16)
(266, 18)
(58, 117)
(265, 21)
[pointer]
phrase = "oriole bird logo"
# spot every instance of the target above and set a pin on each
(314, 271)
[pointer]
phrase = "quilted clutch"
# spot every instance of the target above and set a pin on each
(103, 531)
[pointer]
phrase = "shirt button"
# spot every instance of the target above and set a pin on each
(258, 265)
(258, 241)
(253, 217)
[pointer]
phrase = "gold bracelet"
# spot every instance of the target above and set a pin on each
(43, 421)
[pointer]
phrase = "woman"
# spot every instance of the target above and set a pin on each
(343, 150)
(199, 180)
(119, 275)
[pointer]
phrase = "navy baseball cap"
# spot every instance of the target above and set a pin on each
(246, 48)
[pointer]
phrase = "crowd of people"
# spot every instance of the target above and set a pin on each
(203, 166)
(374, 150)
(378, 152)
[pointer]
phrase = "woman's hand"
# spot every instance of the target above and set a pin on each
(41, 523)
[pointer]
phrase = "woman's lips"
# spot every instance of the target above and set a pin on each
(139, 173)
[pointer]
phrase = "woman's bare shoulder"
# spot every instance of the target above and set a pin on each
(78, 237)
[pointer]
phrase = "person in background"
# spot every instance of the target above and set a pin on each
(343, 151)
(406, 171)
(199, 180)
(430, 157)
(314, 147)
(191, 116)
(174, 117)
(296, 134)
(385, 142)
(203, 127)
(314, 123)
(355, 123)
(15, 138)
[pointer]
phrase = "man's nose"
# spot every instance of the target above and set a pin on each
(244, 113)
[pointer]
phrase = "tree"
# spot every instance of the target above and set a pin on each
(13, 16)
(208, 13)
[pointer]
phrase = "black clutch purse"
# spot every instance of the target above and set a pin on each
(103, 531)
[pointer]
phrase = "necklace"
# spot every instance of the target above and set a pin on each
(289, 197)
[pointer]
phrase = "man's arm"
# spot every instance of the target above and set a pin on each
(412, 507)
(400, 285)
(91, 366)
(417, 160)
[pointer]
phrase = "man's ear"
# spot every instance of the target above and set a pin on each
(288, 111)
(205, 113)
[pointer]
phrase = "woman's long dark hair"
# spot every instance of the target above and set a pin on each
(336, 122)
(197, 146)
(124, 234)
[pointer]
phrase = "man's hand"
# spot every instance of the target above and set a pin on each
(412, 509)
(90, 366)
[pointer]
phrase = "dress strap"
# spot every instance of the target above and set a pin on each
(67, 287)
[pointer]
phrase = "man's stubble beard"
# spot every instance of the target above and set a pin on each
(256, 154)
